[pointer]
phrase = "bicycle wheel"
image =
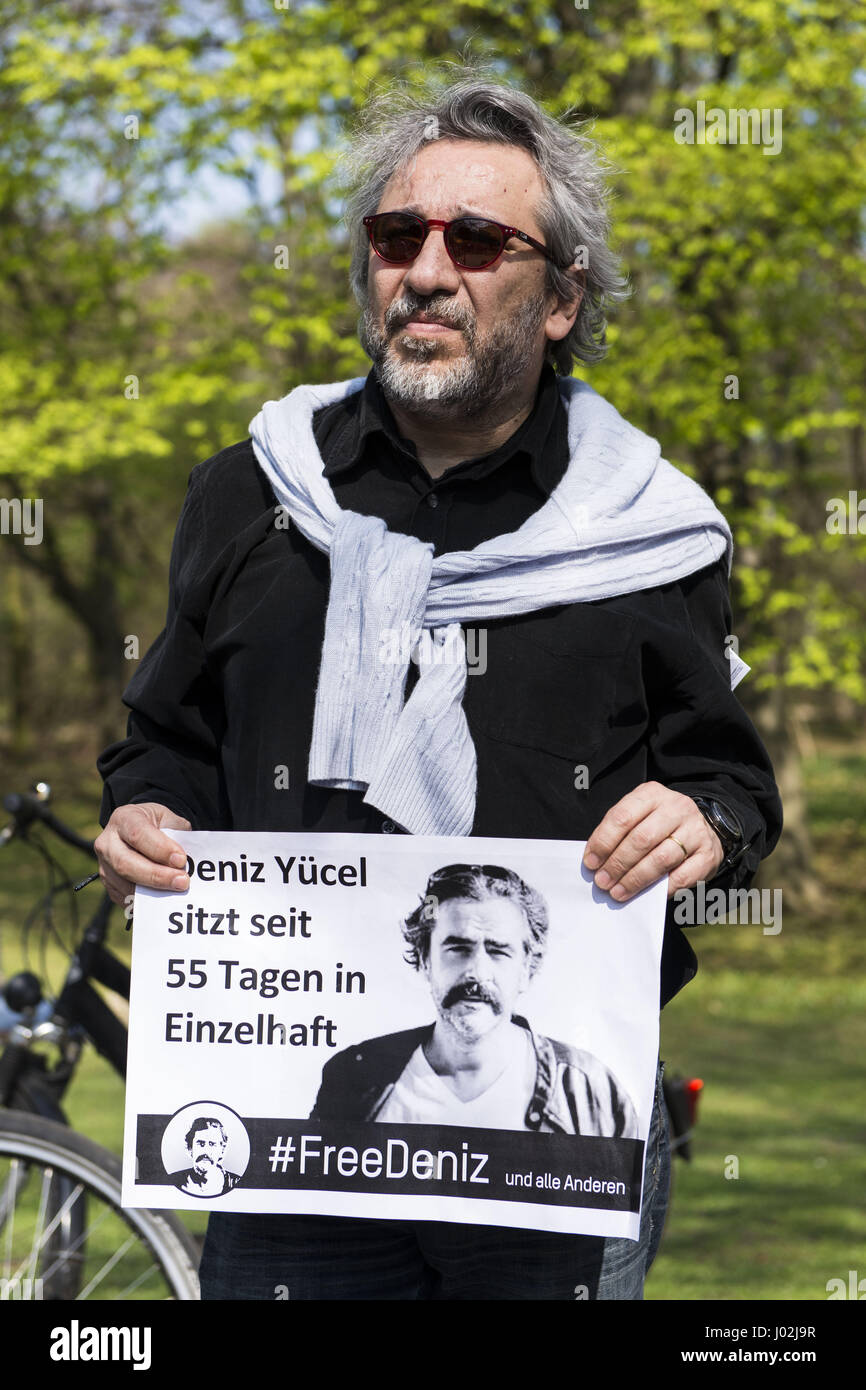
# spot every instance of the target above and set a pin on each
(63, 1232)
(63, 1284)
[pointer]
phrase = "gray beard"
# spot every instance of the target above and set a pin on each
(472, 383)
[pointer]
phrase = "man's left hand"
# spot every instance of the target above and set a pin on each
(651, 832)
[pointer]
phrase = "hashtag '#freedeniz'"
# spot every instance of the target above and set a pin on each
(282, 1154)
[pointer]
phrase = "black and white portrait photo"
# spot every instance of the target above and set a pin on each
(479, 937)
(442, 1040)
(215, 1144)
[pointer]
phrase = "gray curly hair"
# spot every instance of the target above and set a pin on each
(475, 882)
(573, 212)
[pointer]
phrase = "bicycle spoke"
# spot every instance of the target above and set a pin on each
(136, 1283)
(47, 1176)
(10, 1196)
(107, 1267)
(38, 1246)
(76, 1244)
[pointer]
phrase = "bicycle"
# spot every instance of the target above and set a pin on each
(63, 1232)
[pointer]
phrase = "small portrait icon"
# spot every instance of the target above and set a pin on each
(214, 1146)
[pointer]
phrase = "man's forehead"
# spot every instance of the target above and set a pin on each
(481, 917)
(463, 177)
(453, 210)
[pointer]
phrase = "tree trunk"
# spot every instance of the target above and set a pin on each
(790, 866)
(16, 638)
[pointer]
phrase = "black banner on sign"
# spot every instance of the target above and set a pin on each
(419, 1160)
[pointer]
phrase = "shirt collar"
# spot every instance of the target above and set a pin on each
(538, 439)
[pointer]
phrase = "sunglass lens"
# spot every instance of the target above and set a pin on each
(473, 242)
(397, 238)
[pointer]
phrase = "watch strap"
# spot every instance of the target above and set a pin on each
(726, 823)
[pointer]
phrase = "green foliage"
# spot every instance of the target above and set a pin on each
(743, 263)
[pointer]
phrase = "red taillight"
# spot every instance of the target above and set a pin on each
(693, 1088)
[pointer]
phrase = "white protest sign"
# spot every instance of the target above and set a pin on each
(373, 1025)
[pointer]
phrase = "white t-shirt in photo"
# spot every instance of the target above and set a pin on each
(420, 1096)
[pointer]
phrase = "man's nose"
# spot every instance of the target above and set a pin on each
(432, 269)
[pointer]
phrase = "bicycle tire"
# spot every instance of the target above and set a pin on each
(33, 1095)
(128, 1236)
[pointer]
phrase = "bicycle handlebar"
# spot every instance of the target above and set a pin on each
(24, 807)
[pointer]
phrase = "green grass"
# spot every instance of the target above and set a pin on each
(775, 1026)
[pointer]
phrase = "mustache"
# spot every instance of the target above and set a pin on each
(402, 310)
(471, 992)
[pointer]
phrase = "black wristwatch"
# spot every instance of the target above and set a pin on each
(726, 824)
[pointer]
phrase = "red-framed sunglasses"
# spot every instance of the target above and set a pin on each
(473, 243)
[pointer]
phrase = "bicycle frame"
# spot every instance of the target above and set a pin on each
(78, 1012)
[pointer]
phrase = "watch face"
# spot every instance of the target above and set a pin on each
(728, 821)
(723, 821)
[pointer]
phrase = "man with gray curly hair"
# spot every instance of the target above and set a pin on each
(467, 479)
(478, 936)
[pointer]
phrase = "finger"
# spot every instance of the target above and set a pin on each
(648, 841)
(619, 821)
(118, 889)
(665, 859)
(700, 865)
(688, 868)
(687, 875)
(139, 832)
(128, 864)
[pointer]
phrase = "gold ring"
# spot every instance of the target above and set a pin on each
(682, 847)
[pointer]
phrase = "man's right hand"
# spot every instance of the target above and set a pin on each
(132, 849)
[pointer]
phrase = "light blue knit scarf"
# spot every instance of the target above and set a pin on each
(621, 519)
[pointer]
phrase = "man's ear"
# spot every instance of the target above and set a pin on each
(562, 316)
(572, 305)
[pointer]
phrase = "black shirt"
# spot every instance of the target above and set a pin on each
(632, 688)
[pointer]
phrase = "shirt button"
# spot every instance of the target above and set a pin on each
(388, 826)
(534, 1117)
(432, 500)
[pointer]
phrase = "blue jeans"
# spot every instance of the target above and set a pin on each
(343, 1258)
